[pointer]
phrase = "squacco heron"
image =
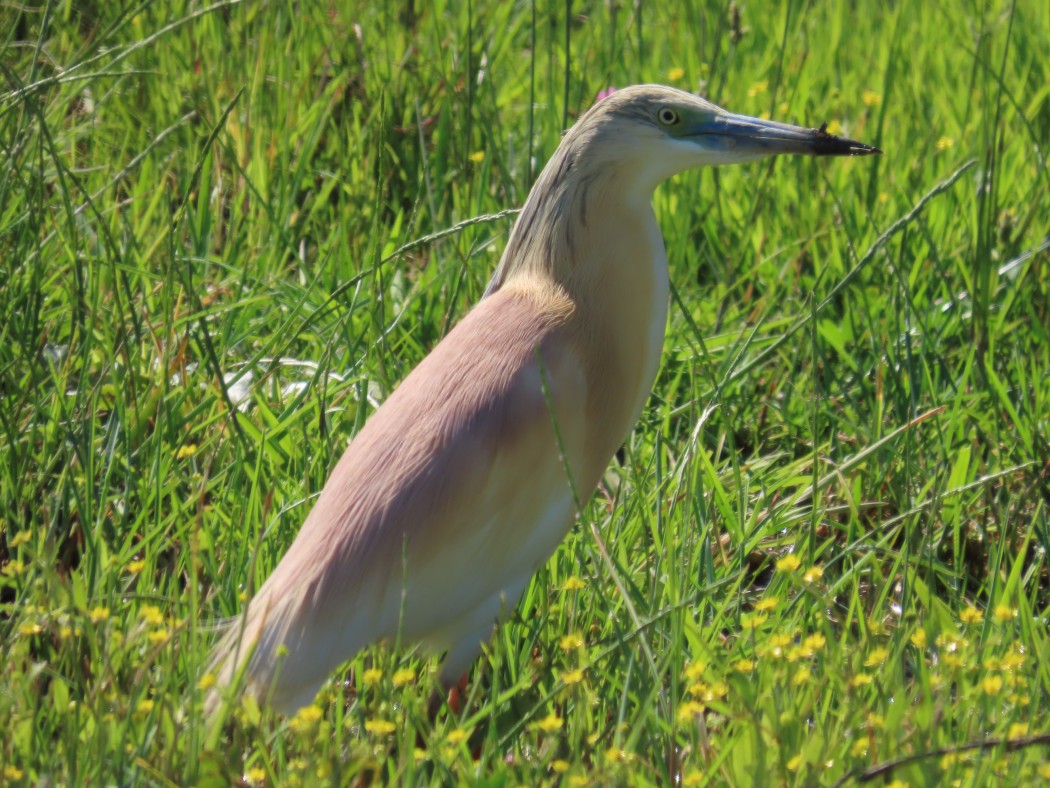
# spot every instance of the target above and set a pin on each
(466, 479)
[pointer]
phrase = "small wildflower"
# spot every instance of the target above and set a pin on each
(65, 632)
(477, 156)
(158, 636)
(571, 642)
(98, 614)
(550, 724)
(690, 709)
(859, 748)
(578, 781)
(918, 638)
(255, 775)
(759, 87)
(1044, 771)
(372, 676)
(186, 451)
(953, 660)
(695, 670)
(992, 685)
(744, 665)
(789, 563)
(897, 784)
(970, 615)
(861, 680)
(1017, 731)
(29, 628)
(815, 642)
(834, 128)
(944, 143)
(570, 677)
(812, 575)
(207, 681)
(144, 706)
(403, 676)
(573, 584)
(1012, 660)
(949, 760)
(616, 755)
(419, 755)
(802, 676)
(675, 74)
(754, 621)
(380, 727)
(876, 657)
(12, 773)
(151, 615)
(693, 777)
(794, 764)
(457, 736)
(306, 718)
(135, 567)
(871, 98)
(766, 604)
(1004, 613)
(560, 767)
(13, 568)
(18, 540)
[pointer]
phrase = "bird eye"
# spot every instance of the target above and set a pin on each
(667, 116)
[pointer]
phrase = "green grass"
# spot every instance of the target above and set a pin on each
(200, 304)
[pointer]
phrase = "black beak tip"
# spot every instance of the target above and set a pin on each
(829, 145)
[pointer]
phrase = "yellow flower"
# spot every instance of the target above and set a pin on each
(18, 539)
(550, 724)
(306, 718)
(98, 614)
(578, 781)
(186, 451)
(754, 621)
(12, 568)
(144, 706)
(744, 665)
(834, 128)
(758, 87)
(970, 615)
(207, 681)
(789, 563)
(944, 143)
(695, 670)
(813, 574)
(380, 727)
(1012, 660)
(768, 603)
(859, 748)
(151, 615)
(477, 156)
(403, 676)
(876, 657)
(570, 677)
(571, 642)
(675, 74)
(871, 98)
(12, 773)
(1017, 731)
(457, 736)
(693, 777)
(255, 775)
(815, 642)
(158, 636)
(918, 638)
(991, 685)
(1044, 771)
(1005, 613)
(802, 676)
(616, 755)
(897, 784)
(135, 567)
(559, 766)
(573, 584)
(29, 628)
(861, 680)
(690, 709)
(794, 764)
(372, 675)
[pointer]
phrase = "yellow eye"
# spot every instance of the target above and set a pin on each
(667, 116)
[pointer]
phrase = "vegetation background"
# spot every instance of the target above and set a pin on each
(824, 548)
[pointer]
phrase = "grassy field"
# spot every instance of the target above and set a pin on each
(824, 548)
